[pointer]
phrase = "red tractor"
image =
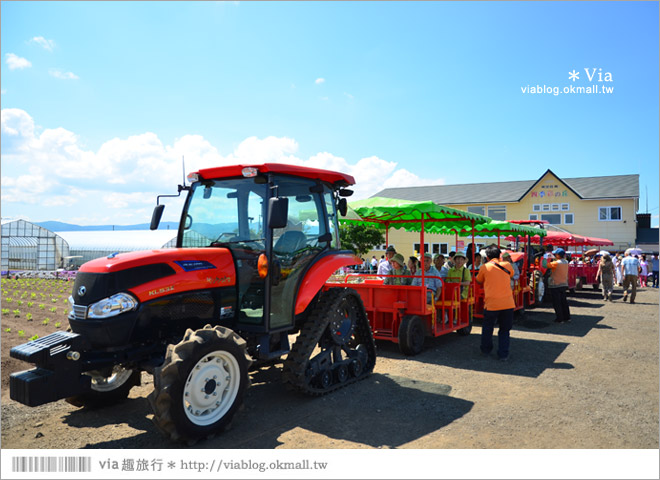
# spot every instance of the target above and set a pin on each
(255, 246)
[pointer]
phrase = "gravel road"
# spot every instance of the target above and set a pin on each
(588, 384)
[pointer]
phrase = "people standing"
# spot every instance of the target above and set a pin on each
(557, 284)
(644, 266)
(617, 266)
(630, 272)
(606, 276)
(496, 276)
(374, 264)
(655, 266)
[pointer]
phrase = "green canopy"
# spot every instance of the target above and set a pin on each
(496, 228)
(407, 214)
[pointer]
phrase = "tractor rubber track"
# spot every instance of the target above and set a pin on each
(295, 370)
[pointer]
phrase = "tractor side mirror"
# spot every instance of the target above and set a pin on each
(155, 218)
(278, 211)
(342, 206)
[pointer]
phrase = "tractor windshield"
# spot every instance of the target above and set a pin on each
(225, 213)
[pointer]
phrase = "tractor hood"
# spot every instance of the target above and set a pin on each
(154, 273)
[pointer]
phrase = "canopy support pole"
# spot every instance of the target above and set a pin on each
(387, 235)
(423, 266)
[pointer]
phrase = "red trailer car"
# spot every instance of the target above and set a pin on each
(579, 274)
(528, 287)
(400, 314)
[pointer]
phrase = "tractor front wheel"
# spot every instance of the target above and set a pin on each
(107, 390)
(201, 384)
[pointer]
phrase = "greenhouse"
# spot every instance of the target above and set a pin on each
(88, 245)
(26, 246)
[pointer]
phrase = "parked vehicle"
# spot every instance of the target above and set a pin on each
(255, 246)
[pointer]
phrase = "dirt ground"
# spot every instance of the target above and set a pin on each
(588, 384)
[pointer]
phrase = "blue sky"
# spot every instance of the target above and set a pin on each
(101, 99)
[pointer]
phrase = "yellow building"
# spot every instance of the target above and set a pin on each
(602, 207)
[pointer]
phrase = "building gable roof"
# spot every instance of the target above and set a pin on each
(544, 176)
(587, 188)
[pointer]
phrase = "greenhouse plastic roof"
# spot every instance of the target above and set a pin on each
(120, 240)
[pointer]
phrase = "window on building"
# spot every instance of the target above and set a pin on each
(536, 207)
(568, 219)
(439, 248)
(533, 216)
(497, 212)
(552, 218)
(546, 207)
(565, 206)
(609, 214)
(477, 209)
(416, 247)
(555, 207)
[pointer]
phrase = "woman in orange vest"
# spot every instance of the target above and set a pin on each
(496, 276)
(557, 284)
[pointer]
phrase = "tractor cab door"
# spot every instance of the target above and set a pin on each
(311, 228)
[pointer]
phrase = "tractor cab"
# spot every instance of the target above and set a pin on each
(275, 225)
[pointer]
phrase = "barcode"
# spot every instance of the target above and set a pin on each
(51, 464)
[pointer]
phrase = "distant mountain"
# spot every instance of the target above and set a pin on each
(54, 226)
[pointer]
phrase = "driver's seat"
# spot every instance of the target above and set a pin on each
(290, 242)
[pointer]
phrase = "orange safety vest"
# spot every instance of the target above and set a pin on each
(559, 275)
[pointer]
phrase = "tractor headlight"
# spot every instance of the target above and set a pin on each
(111, 306)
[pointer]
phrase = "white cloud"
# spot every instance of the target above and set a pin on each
(46, 44)
(53, 72)
(270, 149)
(17, 129)
(14, 62)
(124, 200)
(3, 91)
(50, 170)
(404, 178)
(349, 96)
(319, 81)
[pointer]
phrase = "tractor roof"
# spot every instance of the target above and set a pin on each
(328, 176)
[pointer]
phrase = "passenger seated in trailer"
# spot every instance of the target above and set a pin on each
(516, 270)
(398, 268)
(384, 267)
(460, 274)
(477, 262)
(438, 261)
(432, 283)
(413, 265)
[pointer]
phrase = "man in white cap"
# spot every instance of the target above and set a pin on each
(385, 267)
(630, 272)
